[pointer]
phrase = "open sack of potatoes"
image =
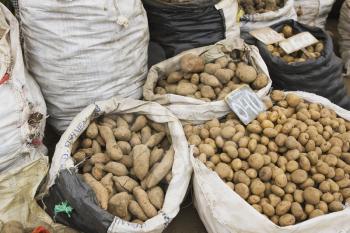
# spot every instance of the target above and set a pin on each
(263, 13)
(193, 84)
(122, 165)
(285, 172)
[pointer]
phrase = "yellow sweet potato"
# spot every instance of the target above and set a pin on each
(136, 210)
(156, 197)
(118, 205)
(157, 174)
(125, 183)
(100, 191)
(113, 151)
(141, 158)
(118, 169)
(142, 199)
(139, 123)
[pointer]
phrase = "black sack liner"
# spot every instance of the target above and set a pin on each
(322, 76)
(177, 27)
(87, 215)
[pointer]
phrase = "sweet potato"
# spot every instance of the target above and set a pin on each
(142, 199)
(141, 158)
(101, 192)
(165, 165)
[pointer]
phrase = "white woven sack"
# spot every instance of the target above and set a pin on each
(344, 34)
(83, 51)
(181, 170)
(22, 107)
(224, 211)
(255, 21)
(195, 110)
(313, 12)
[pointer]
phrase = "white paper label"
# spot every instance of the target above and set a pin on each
(297, 42)
(245, 104)
(267, 35)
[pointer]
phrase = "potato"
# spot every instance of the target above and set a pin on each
(118, 205)
(286, 220)
(224, 75)
(117, 169)
(100, 191)
(186, 89)
(257, 187)
(207, 92)
(256, 161)
(265, 173)
(155, 139)
(191, 63)
(144, 202)
(283, 207)
(242, 190)
(113, 151)
(224, 171)
(135, 209)
(299, 176)
(246, 73)
(164, 167)
(312, 195)
(268, 209)
(260, 82)
(281, 180)
(141, 158)
(335, 206)
(156, 197)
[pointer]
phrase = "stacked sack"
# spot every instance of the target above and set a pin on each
(80, 52)
(23, 163)
(176, 26)
(320, 74)
(313, 12)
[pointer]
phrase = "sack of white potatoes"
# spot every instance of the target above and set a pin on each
(132, 156)
(193, 84)
(287, 171)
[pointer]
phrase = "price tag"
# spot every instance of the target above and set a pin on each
(297, 42)
(267, 35)
(245, 104)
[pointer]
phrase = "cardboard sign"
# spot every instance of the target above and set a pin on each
(245, 104)
(297, 42)
(267, 35)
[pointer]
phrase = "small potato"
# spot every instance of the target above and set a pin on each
(246, 73)
(224, 171)
(283, 207)
(256, 161)
(297, 210)
(286, 220)
(312, 195)
(335, 206)
(268, 209)
(257, 187)
(299, 176)
(242, 190)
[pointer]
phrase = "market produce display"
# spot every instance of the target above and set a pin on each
(260, 6)
(291, 163)
(310, 52)
(127, 161)
(211, 81)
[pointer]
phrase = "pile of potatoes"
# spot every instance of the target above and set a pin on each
(310, 53)
(126, 160)
(260, 6)
(291, 164)
(211, 81)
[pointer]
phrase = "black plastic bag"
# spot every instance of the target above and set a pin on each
(177, 27)
(87, 216)
(322, 76)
